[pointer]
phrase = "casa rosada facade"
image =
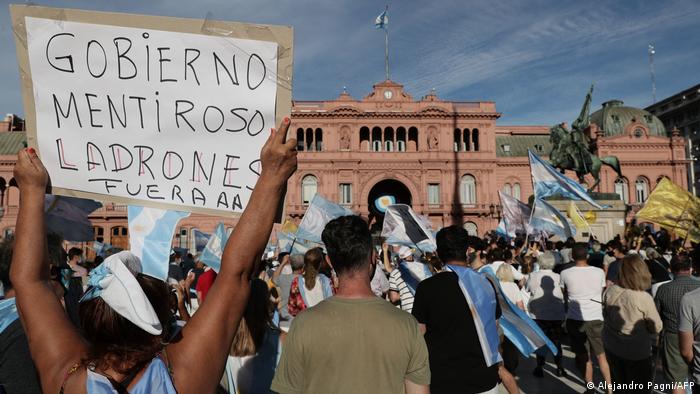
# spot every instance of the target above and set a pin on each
(446, 159)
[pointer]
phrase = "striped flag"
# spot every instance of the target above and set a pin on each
(412, 273)
(200, 239)
(516, 214)
(151, 233)
(214, 249)
(403, 227)
(382, 21)
(546, 218)
(319, 213)
(549, 182)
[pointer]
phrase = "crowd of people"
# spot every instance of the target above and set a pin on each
(355, 317)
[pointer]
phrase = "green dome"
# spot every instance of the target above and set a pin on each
(614, 117)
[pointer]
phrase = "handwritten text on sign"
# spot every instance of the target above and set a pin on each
(151, 115)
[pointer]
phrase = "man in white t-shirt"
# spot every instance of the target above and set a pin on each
(583, 289)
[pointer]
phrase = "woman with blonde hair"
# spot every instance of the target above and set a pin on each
(312, 287)
(256, 346)
(632, 324)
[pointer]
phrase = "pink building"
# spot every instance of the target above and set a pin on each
(447, 159)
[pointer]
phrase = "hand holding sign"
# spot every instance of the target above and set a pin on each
(278, 156)
(29, 172)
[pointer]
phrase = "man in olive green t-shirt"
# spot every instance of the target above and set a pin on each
(353, 342)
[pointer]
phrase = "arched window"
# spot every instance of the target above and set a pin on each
(182, 237)
(389, 139)
(622, 189)
(642, 188)
(300, 139)
(413, 139)
(309, 186)
(120, 237)
(467, 189)
(401, 139)
(309, 139)
(516, 190)
(99, 233)
(457, 139)
(471, 229)
(466, 146)
(364, 138)
(376, 139)
(475, 139)
(507, 190)
(319, 140)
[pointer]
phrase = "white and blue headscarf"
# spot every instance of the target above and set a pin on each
(115, 282)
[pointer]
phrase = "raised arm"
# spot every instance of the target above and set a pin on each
(207, 336)
(54, 342)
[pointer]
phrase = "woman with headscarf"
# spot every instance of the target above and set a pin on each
(123, 343)
(312, 287)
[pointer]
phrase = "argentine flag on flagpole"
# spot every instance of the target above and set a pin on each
(151, 233)
(382, 20)
(548, 219)
(319, 213)
(547, 181)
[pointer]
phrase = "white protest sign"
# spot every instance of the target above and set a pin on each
(148, 115)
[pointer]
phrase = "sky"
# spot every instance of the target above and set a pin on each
(534, 58)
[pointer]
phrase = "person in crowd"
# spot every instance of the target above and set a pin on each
(124, 316)
(512, 291)
(658, 266)
(457, 360)
(17, 371)
(547, 309)
(380, 282)
(353, 342)
(399, 292)
(75, 259)
(188, 264)
(256, 346)
(565, 250)
(689, 334)
(497, 258)
(668, 302)
(596, 255)
(204, 283)
(198, 270)
(583, 289)
(72, 277)
(284, 282)
(312, 287)
(632, 325)
(175, 270)
(613, 269)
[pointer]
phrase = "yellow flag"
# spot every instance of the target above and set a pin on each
(576, 218)
(591, 217)
(289, 227)
(674, 208)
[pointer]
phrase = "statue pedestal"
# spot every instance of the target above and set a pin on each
(609, 222)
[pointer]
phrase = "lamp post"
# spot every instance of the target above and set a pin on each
(495, 211)
(693, 159)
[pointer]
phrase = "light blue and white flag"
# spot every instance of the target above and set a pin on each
(284, 242)
(517, 326)
(319, 213)
(501, 229)
(100, 248)
(548, 182)
(546, 218)
(403, 227)
(200, 239)
(8, 313)
(214, 249)
(151, 233)
(482, 304)
(382, 21)
(516, 214)
(412, 273)
(68, 217)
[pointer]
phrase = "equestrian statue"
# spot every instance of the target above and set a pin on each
(573, 149)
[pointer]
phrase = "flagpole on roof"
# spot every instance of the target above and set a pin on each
(386, 46)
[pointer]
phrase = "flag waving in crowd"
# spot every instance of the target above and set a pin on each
(403, 227)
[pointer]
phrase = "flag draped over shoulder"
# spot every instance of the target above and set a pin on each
(319, 213)
(403, 227)
(546, 218)
(482, 306)
(549, 182)
(214, 249)
(517, 326)
(412, 273)
(68, 217)
(151, 233)
(674, 208)
(516, 214)
(382, 20)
